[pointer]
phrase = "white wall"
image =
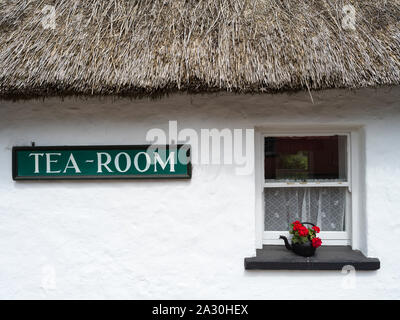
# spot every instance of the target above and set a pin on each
(179, 239)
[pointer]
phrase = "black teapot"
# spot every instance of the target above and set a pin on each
(302, 249)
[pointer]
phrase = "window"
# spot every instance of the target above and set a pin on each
(306, 177)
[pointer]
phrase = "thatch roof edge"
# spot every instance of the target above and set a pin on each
(154, 47)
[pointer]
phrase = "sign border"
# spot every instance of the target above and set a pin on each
(15, 149)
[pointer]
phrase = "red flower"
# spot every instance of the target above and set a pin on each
(316, 229)
(297, 225)
(303, 231)
(316, 242)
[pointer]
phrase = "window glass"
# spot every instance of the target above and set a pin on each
(313, 158)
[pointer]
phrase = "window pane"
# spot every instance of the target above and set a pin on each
(319, 158)
(324, 207)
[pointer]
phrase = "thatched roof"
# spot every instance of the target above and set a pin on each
(148, 46)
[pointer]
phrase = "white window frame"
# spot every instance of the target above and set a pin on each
(350, 235)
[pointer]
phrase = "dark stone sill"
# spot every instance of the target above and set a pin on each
(326, 258)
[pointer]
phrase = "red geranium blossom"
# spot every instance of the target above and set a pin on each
(316, 242)
(316, 229)
(297, 225)
(303, 231)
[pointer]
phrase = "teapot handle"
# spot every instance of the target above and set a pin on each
(308, 223)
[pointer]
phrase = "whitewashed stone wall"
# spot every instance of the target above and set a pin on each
(180, 239)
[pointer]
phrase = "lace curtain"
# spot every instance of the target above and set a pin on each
(324, 207)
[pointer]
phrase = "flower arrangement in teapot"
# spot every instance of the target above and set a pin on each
(302, 234)
(304, 240)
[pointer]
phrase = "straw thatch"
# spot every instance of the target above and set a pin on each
(147, 46)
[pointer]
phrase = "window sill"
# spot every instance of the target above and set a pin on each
(326, 258)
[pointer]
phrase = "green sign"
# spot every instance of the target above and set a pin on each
(101, 162)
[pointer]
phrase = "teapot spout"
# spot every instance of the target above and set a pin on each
(287, 245)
